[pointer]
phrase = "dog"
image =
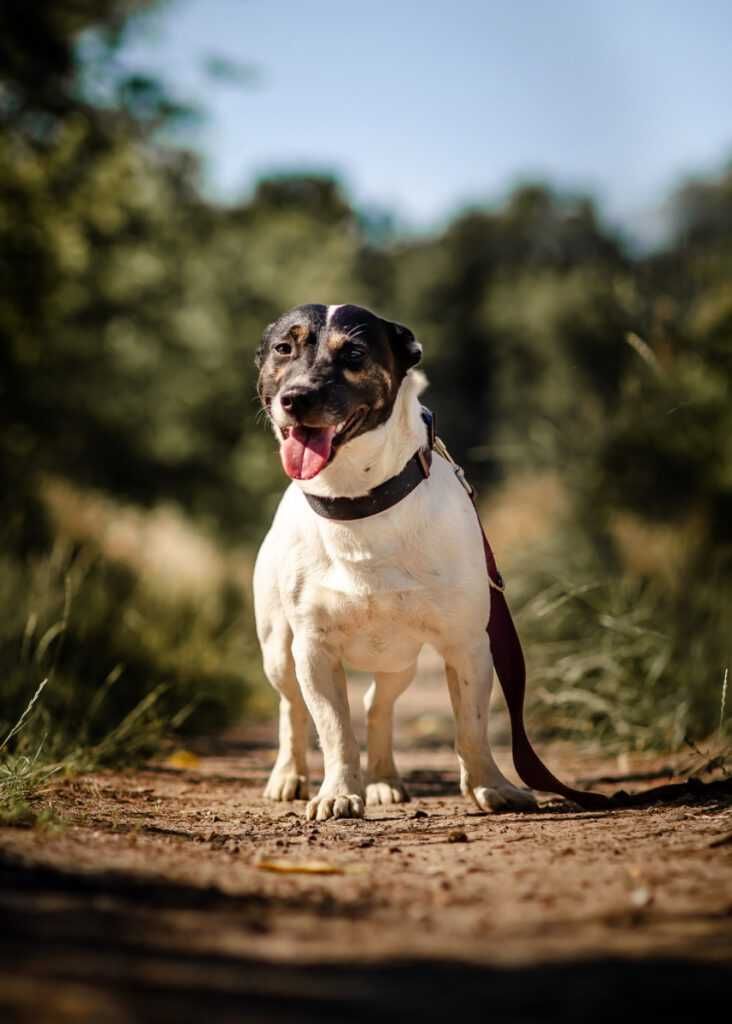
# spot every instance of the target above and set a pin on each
(341, 390)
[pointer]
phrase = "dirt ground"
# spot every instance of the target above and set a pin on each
(155, 898)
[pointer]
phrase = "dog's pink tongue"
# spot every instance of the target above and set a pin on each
(306, 450)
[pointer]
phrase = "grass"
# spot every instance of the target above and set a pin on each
(105, 661)
(622, 659)
(26, 769)
(723, 704)
(21, 774)
(626, 633)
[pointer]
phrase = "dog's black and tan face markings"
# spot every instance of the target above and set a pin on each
(333, 366)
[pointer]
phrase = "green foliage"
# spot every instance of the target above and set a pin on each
(21, 774)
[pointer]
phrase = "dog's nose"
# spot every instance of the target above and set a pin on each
(299, 401)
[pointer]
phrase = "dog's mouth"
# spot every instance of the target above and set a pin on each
(305, 451)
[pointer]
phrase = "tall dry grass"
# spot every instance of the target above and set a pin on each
(133, 627)
(627, 642)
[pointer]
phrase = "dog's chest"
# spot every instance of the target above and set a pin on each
(375, 604)
(379, 631)
(378, 557)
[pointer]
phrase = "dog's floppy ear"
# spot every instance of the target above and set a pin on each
(407, 349)
(262, 350)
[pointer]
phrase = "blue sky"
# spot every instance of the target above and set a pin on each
(423, 106)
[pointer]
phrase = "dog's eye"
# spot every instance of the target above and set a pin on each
(283, 349)
(353, 355)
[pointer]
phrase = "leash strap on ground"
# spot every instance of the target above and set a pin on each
(508, 658)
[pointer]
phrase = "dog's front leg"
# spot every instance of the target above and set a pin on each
(323, 684)
(289, 777)
(469, 679)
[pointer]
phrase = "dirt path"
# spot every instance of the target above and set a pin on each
(151, 902)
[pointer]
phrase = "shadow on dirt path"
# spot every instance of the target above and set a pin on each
(176, 895)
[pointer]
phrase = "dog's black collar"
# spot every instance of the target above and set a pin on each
(387, 494)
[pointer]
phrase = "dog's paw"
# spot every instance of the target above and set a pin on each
(286, 785)
(349, 805)
(386, 791)
(492, 799)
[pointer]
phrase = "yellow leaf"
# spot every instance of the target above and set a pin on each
(183, 759)
(303, 867)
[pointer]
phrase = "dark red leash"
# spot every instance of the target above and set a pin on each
(508, 658)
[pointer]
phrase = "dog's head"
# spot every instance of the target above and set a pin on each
(328, 374)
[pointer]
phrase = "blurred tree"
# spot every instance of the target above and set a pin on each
(60, 160)
(39, 66)
(501, 299)
(668, 450)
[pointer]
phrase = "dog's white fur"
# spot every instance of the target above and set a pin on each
(371, 593)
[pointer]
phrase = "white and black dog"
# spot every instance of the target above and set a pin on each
(340, 388)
